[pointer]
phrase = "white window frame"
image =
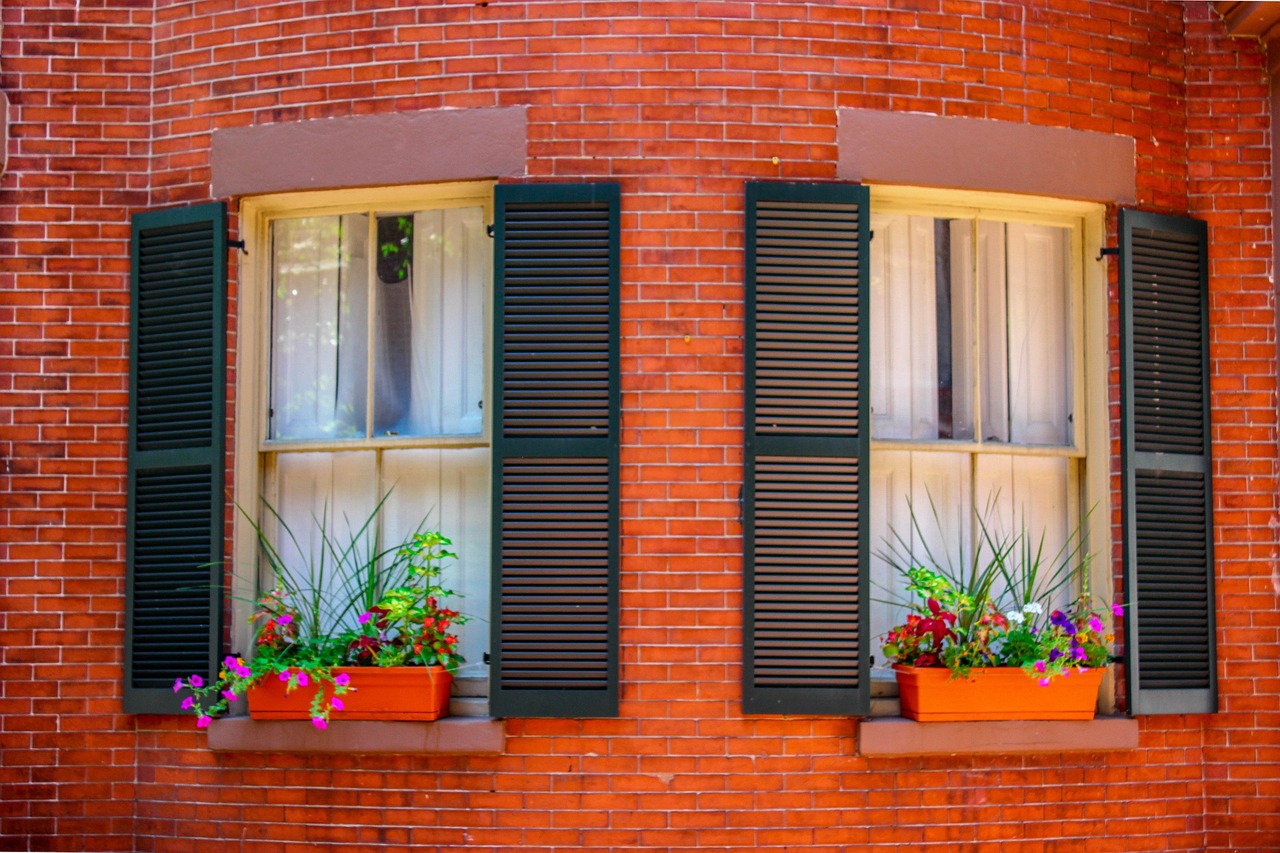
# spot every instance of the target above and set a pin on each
(1091, 441)
(254, 453)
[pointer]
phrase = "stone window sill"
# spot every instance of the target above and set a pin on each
(467, 735)
(896, 736)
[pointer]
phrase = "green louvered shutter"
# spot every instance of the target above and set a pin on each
(554, 645)
(177, 391)
(1168, 502)
(807, 422)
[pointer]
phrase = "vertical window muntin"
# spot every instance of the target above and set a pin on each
(933, 463)
(421, 465)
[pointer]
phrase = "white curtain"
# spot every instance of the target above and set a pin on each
(319, 327)
(988, 302)
(428, 358)
(436, 320)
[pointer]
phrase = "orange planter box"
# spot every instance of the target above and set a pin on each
(376, 693)
(930, 694)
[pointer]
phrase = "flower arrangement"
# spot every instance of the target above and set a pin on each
(353, 607)
(996, 612)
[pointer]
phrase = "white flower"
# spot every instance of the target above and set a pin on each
(1015, 617)
(1032, 607)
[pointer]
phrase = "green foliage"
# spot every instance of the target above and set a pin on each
(353, 605)
(991, 610)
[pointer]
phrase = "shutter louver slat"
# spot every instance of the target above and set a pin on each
(554, 645)
(176, 443)
(1170, 656)
(170, 588)
(806, 541)
(555, 328)
(806, 321)
(805, 554)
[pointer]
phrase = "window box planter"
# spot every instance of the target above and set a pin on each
(376, 693)
(930, 694)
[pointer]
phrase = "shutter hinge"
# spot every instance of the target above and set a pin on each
(238, 244)
(1113, 250)
(488, 229)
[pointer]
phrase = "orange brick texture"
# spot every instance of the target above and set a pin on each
(113, 105)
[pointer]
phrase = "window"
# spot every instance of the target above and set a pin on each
(368, 314)
(975, 325)
(977, 381)
(360, 365)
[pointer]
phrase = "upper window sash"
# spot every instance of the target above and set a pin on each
(978, 209)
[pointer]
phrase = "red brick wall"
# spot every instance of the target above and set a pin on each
(113, 106)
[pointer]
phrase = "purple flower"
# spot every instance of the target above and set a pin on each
(1117, 610)
(1057, 618)
(188, 703)
(1079, 653)
(203, 722)
(1095, 624)
(197, 681)
(343, 679)
(365, 617)
(320, 722)
(336, 703)
(1054, 654)
(177, 685)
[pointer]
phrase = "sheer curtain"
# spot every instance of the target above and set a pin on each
(319, 327)
(968, 317)
(430, 361)
(426, 282)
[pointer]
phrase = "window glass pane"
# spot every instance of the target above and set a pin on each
(319, 327)
(903, 328)
(953, 242)
(921, 328)
(443, 489)
(1039, 332)
(329, 492)
(429, 350)
(933, 488)
(450, 488)
(1027, 498)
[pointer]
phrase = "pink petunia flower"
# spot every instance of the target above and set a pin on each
(302, 679)
(284, 620)
(365, 617)
(177, 685)
(337, 703)
(343, 679)
(284, 676)
(188, 703)
(203, 722)
(320, 722)
(1117, 610)
(231, 697)
(1095, 624)
(1044, 682)
(197, 681)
